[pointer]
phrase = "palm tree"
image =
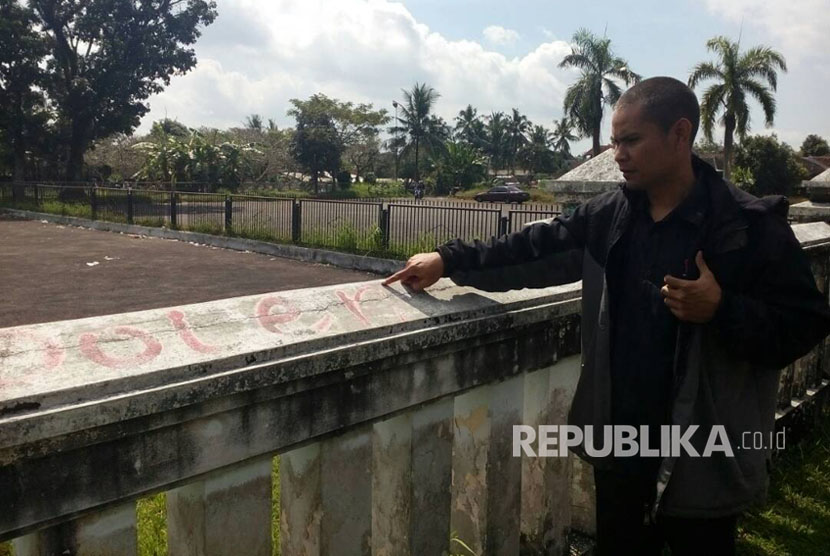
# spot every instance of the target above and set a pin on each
(537, 154)
(585, 99)
(495, 140)
(254, 122)
(738, 76)
(469, 128)
(416, 121)
(562, 136)
(517, 126)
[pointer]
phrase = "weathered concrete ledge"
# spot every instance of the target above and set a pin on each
(307, 254)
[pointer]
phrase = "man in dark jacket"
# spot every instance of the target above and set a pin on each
(695, 295)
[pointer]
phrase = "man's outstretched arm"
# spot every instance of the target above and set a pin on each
(544, 254)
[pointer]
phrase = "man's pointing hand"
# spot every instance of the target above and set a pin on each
(693, 300)
(421, 271)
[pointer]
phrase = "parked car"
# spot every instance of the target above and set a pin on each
(503, 194)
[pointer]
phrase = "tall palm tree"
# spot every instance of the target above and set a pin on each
(495, 140)
(517, 126)
(415, 120)
(585, 99)
(562, 136)
(537, 154)
(737, 76)
(469, 128)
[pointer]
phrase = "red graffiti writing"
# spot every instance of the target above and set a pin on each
(186, 335)
(324, 324)
(353, 303)
(93, 352)
(53, 354)
(270, 321)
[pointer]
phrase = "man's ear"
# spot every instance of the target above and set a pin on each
(681, 134)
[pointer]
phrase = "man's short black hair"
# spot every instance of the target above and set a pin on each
(664, 100)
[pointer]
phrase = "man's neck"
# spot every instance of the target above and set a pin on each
(665, 197)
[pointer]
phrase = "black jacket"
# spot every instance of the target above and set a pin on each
(726, 372)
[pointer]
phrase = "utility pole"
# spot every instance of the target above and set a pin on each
(395, 104)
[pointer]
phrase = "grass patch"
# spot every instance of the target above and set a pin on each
(346, 238)
(796, 519)
(151, 521)
(260, 234)
(151, 221)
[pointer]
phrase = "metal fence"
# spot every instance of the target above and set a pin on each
(381, 228)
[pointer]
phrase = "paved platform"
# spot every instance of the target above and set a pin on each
(51, 272)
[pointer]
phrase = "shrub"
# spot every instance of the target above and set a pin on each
(772, 164)
(344, 179)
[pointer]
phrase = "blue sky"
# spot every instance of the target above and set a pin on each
(493, 55)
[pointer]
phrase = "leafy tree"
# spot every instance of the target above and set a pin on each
(202, 156)
(166, 126)
(316, 144)
(116, 152)
(772, 165)
(21, 78)
(108, 56)
(362, 154)
(416, 122)
(517, 126)
(814, 145)
(596, 87)
(737, 76)
(164, 155)
(562, 136)
(458, 165)
(355, 126)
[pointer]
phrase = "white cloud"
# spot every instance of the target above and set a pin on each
(499, 35)
(800, 27)
(257, 55)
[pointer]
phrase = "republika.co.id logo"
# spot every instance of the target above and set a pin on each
(629, 441)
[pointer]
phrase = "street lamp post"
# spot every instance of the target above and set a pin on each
(395, 104)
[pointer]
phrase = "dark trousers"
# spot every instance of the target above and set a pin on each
(622, 504)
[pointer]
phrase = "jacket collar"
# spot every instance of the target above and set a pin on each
(724, 221)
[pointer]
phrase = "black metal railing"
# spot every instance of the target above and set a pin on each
(380, 228)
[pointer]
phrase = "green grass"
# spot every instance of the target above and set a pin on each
(151, 522)
(346, 238)
(259, 233)
(151, 221)
(796, 519)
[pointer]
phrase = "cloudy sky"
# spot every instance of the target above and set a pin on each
(492, 54)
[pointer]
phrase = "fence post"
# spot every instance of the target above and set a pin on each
(37, 198)
(93, 201)
(384, 226)
(173, 211)
(296, 221)
(130, 208)
(504, 225)
(228, 214)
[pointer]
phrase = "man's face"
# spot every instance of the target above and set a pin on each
(642, 150)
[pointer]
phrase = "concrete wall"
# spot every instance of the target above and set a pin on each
(392, 414)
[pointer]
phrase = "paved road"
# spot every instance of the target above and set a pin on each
(45, 276)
